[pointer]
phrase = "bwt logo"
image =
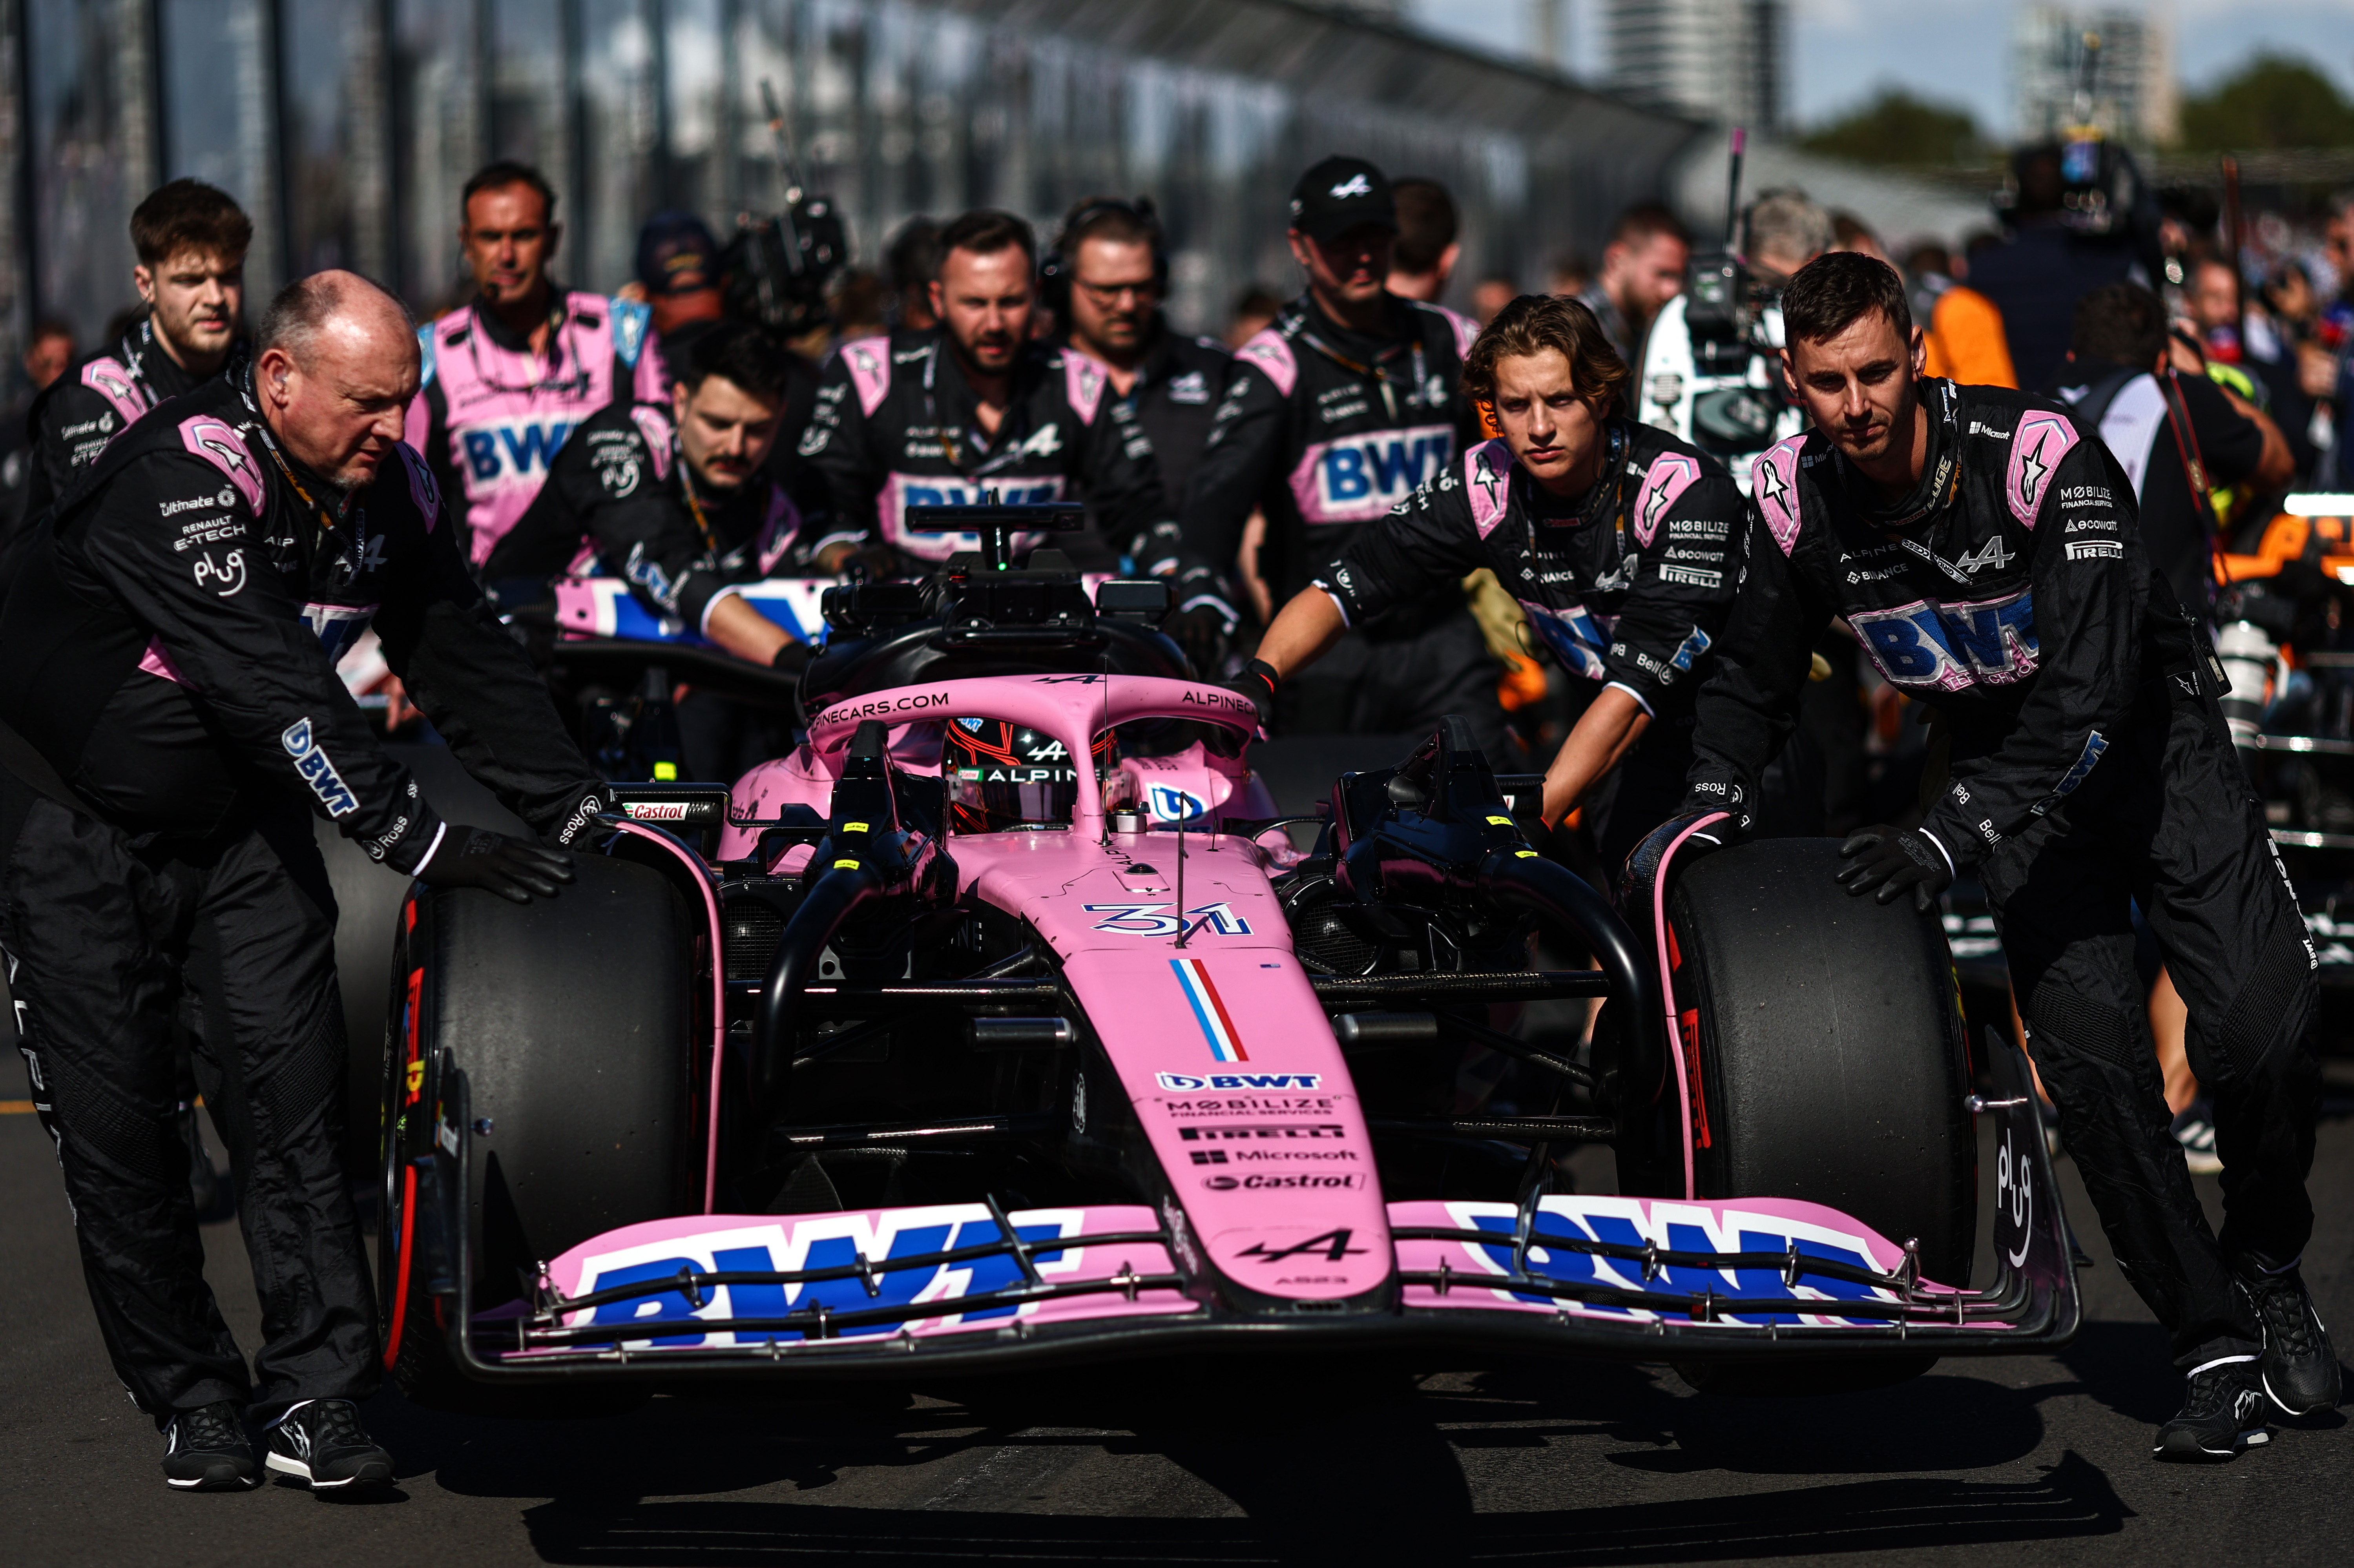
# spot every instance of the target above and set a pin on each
(510, 450)
(1360, 477)
(949, 493)
(1191, 1083)
(1952, 647)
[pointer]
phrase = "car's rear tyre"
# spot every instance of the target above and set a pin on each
(1827, 1063)
(572, 1019)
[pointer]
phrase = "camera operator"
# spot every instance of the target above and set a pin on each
(1738, 407)
(947, 417)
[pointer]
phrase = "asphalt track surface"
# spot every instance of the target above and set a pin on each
(1263, 1460)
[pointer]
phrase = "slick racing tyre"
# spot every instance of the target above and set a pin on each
(368, 899)
(572, 1019)
(1824, 1060)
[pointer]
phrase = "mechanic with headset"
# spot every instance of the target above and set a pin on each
(1105, 281)
(511, 373)
(974, 408)
(1984, 545)
(675, 498)
(191, 241)
(1618, 540)
(170, 721)
(1337, 411)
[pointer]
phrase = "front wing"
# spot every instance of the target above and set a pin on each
(970, 1285)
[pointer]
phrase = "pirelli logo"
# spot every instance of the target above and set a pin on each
(1692, 577)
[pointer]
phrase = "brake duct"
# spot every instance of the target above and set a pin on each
(869, 859)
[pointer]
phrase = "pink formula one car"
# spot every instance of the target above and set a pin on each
(886, 1059)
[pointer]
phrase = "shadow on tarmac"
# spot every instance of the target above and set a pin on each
(1323, 1460)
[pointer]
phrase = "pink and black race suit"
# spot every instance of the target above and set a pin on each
(1325, 430)
(616, 505)
(896, 427)
(2009, 591)
(96, 400)
(490, 415)
(1629, 584)
(172, 647)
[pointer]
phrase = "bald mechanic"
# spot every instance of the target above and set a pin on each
(170, 719)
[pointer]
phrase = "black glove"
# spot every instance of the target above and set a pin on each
(792, 658)
(1892, 860)
(1201, 630)
(1257, 684)
(475, 857)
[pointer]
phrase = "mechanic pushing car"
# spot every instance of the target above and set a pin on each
(1984, 546)
(676, 499)
(1336, 412)
(1616, 537)
(191, 241)
(511, 373)
(973, 409)
(168, 709)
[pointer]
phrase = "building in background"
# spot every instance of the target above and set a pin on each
(2102, 67)
(1721, 61)
(346, 127)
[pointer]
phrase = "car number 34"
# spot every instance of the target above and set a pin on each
(1154, 919)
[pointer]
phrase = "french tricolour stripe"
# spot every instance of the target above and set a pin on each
(1225, 1040)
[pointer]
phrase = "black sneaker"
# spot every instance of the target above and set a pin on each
(322, 1441)
(2300, 1368)
(205, 1451)
(2223, 1415)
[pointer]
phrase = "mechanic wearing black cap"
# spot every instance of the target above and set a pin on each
(170, 720)
(1618, 539)
(1984, 546)
(1105, 281)
(1337, 411)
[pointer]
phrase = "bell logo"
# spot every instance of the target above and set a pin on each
(1354, 185)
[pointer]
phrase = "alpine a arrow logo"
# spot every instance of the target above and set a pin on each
(1354, 185)
(1991, 554)
(1332, 1244)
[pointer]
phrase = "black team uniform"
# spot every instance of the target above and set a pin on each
(1179, 385)
(171, 721)
(2090, 766)
(896, 426)
(1629, 584)
(1326, 429)
(621, 490)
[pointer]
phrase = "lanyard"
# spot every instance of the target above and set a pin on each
(694, 504)
(352, 560)
(1380, 373)
(560, 323)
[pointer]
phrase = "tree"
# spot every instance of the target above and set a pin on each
(2271, 101)
(1895, 127)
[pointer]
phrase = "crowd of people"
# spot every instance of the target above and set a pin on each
(1957, 489)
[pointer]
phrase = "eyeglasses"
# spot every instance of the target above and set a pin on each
(1109, 294)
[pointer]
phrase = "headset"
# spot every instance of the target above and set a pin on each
(1055, 267)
